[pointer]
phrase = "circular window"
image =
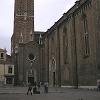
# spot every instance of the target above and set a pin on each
(31, 56)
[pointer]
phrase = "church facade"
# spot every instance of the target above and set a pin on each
(66, 54)
(72, 46)
(25, 49)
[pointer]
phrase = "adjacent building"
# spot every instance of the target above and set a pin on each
(6, 69)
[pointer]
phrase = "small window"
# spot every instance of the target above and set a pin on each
(9, 69)
(2, 55)
(31, 37)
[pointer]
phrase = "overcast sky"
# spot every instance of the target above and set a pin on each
(47, 12)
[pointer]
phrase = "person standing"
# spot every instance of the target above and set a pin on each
(34, 89)
(29, 89)
(98, 85)
(46, 87)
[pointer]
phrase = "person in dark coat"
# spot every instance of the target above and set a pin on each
(29, 89)
(46, 87)
(34, 89)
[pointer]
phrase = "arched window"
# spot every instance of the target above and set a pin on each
(65, 45)
(86, 36)
(21, 38)
(19, 10)
(31, 36)
(85, 24)
(52, 46)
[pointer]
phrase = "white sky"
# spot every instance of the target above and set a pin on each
(47, 12)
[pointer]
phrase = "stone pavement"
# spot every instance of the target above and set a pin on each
(23, 90)
(19, 93)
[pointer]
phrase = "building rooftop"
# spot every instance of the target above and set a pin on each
(1, 49)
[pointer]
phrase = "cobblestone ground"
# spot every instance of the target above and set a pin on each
(69, 94)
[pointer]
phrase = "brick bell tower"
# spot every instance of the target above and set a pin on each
(23, 30)
(23, 22)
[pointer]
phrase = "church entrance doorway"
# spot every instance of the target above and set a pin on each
(31, 80)
(54, 79)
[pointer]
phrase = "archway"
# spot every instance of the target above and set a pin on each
(31, 76)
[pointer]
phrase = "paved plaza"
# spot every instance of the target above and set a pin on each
(19, 93)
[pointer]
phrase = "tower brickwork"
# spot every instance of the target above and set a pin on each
(23, 22)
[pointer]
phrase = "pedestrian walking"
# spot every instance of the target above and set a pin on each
(46, 87)
(29, 89)
(38, 85)
(34, 89)
(98, 85)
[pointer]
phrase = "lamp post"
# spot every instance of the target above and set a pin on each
(16, 65)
